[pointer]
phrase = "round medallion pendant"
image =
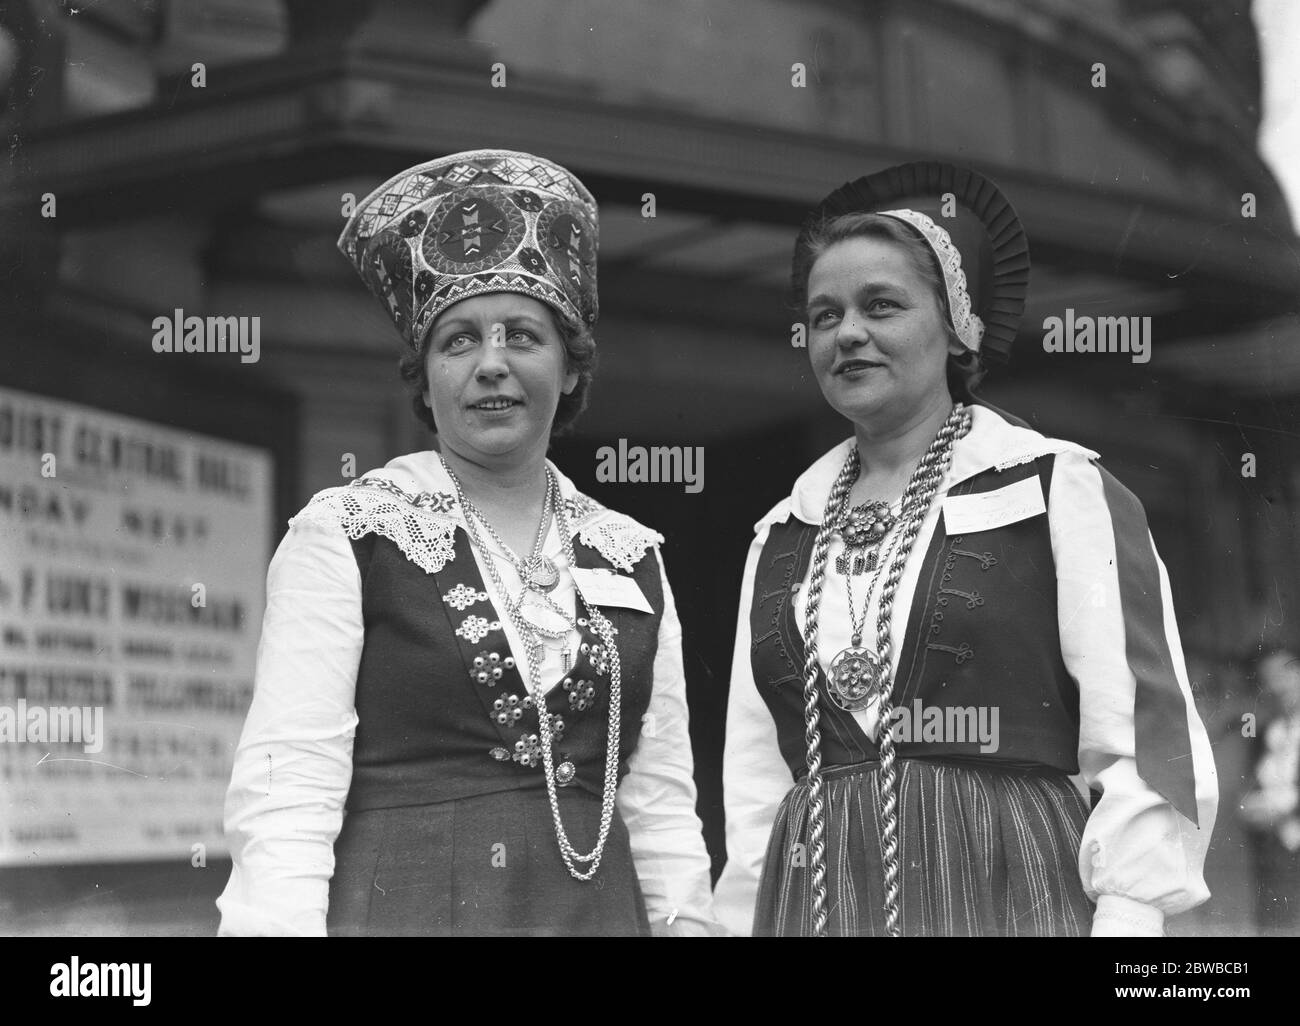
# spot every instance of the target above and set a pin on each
(854, 678)
(543, 575)
(565, 772)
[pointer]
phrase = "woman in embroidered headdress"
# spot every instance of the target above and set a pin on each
(469, 715)
(949, 616)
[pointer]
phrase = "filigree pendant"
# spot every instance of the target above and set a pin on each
(543, 575)
(849, 564)
(863, 528)
(854, 679)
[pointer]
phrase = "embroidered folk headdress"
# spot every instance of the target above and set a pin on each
(971, 229)
(472, 223)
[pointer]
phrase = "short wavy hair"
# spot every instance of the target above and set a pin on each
(579, 353)
(966, 371)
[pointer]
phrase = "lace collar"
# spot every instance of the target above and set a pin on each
(412, 502)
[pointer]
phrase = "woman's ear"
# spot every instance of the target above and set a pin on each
(571, 376)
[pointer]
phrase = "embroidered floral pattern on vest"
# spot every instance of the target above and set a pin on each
(528, 751)
(462, 597)
(497, 675)
(475, 628)
(511, 708)
(508, 709)
(582, 693)
(488, 667)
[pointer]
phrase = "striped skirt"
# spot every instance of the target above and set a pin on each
(982, 852)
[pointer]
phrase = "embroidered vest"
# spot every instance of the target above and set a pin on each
(981, 634)
(442, 708)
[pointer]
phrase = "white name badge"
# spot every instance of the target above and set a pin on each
(968, 514)
(605, 588)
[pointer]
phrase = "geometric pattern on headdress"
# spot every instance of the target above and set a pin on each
(1001, 305)
(473, 223)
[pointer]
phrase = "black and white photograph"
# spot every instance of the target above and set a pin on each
(719, 469)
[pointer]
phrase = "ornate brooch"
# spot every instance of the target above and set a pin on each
(863, 528)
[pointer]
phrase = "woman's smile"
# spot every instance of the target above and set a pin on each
(855, 368)
(495, 407)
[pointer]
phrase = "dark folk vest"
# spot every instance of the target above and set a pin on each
(441, 702)
(982, 632)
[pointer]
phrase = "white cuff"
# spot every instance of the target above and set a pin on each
(1123, 917)
(241, 920)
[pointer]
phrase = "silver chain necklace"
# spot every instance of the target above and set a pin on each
(859, 622)
(538, 573)
(529, 632)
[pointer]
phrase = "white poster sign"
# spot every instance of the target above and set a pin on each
(132, 571)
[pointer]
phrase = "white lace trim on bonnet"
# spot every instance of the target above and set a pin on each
(967, 324)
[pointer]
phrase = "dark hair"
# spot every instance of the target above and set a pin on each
(579, 355)
(965, 371)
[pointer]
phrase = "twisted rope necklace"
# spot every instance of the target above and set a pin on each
(860, 677)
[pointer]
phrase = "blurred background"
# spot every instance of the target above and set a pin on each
(200, 155)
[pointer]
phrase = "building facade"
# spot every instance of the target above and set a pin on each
(201, 156)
